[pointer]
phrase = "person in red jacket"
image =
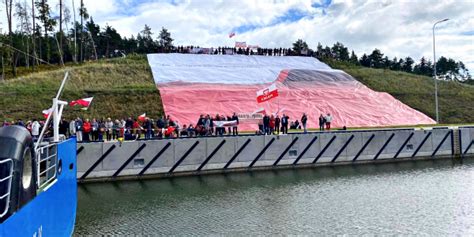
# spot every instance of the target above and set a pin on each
(86, 130)
(137, 129)
(272, 124)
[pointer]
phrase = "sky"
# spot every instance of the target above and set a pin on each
(398, 28)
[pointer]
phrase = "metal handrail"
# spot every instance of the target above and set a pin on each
(49, 168)
(43, 154)
(9, 186)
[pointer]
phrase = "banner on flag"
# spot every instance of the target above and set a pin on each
(221, 124)
(256, 115)
(267, 94)
(240, 44)
(86, 102)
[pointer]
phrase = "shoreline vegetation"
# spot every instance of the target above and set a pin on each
(124, 87)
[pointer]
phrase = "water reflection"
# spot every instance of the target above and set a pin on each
(433, 197)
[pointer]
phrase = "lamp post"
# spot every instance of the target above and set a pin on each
(434, 70)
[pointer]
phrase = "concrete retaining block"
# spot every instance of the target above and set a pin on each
(88, 156)
(223, 155)
(194, 158)
(333, 148)
(119, 155)
(437, 136)
(302, 143)
(164, 162)
(277, 148)
(179, 147)
(251, 150)
(375, 145)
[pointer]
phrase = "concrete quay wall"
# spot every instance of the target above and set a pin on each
(194, 156)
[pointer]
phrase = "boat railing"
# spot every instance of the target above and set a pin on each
(47, 160)
(6, 175)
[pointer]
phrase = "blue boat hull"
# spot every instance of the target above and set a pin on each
(53, 211)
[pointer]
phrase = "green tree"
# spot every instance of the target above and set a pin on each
(44, 17)
(299, 46)
(165, 42)
(340, 52)
(145, 40)
(353, 59)
(84, 16)
(365, 61)
(395, 65)
(376, 59)
(408, 65)
(112, 40)
(423, 68)
(319, 51)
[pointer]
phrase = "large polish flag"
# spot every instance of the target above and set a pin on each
(86, 102)
(195, 84)
(267, 94)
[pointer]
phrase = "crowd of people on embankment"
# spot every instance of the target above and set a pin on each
(94, 130)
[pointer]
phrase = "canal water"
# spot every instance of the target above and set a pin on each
(434, 197)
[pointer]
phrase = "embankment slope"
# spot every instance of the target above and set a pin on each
(125, 87)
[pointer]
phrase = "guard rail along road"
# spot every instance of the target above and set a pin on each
(200, 155)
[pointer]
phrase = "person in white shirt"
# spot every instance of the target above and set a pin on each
(328, 119)
(109, 129)
(72, 128)
(35, 129)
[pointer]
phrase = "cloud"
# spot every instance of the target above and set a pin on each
(398, 28)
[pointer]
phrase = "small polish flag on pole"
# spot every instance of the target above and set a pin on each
(47, 112)
(267, 93)
(142, 117)
(86, 102)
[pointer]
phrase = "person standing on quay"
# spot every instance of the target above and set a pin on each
(79, 127)
(272, 124)
(322, 121)
(277, 124)
(235, 127)
(328, 119)
(35, 129)
(304, 119)
(284, 124)
(72, 128)
(87, 128)
(109, 129)
(266, 124)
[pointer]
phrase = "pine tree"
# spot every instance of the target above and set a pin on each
(340, 52)
(376, 59)
(165, 42)
(395, 65)
(319, 51)
(84, 16)
(365, 61)
(408, 65)
(300, 46)
(12, 55)
(48, 23)
(353, 59)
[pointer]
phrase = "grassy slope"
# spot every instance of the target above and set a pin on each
(123, 87)
(456, 100)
